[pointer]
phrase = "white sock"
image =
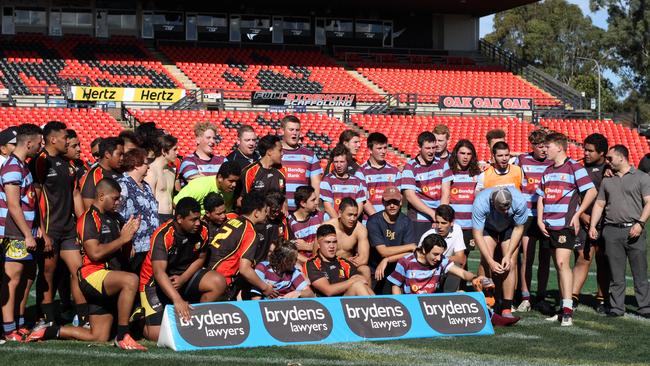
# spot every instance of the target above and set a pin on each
(567, 303)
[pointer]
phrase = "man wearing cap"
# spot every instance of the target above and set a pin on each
(391, 235)
(7, 143)
(498, 218)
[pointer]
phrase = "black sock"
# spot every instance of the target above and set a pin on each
(121, 331)
(600, 299)
(576, 299)
(49, 311)
(506, 304)
(82, 313)
(52, 332)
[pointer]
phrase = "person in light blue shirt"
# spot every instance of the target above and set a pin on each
(498, 218)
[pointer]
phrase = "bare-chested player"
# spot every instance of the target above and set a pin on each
(161, 175)
(352, 236)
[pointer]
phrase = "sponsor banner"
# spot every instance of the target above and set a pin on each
(303, 99)
(108, 94)
(514, 104)
(325, 320)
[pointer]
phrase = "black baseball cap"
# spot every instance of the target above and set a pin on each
(8, 135)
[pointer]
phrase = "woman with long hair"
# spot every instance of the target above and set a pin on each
(459, 191)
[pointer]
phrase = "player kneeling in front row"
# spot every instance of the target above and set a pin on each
(102, 276)
(280, 271)
(173, 271)
(331, 275)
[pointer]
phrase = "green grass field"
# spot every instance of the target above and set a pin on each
(593, 340)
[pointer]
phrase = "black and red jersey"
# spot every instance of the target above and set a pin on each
(179, 249)
(235, 240)
(89, 181)
(56, 178)
(256, 178)
(105, 228)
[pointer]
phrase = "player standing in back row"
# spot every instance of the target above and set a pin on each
(563, 186)
(300, 164)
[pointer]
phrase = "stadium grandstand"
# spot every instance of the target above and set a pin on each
(398, 68)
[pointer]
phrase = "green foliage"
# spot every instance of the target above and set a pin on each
(554, 35)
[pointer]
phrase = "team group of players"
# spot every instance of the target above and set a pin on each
(140, 227)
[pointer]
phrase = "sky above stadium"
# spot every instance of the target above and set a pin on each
(599, 19)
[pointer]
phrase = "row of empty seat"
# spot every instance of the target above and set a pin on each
(88, 123)
(432, 81)
(240, 71)
(616, 133)
(35, 64)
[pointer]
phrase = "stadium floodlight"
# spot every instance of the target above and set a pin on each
(599, 76)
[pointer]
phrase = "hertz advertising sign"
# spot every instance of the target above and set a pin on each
(106, 94)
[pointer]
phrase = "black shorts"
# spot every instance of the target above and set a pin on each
(499, 236)
(68, 243)
(92, 287)
(238, 284)
(153, 299)
(584, 243)
(533, 232)
(562, 239)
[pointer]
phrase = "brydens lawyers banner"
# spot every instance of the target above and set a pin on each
(303, 99)
(325, 320)
(516, 104)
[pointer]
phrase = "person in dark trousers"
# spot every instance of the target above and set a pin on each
(625, 200)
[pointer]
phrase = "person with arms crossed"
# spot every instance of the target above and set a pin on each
(562, 188)
(18, 229)
(391, 235)
(498, 218)
(173, 271)
(103, 278)
(301, 165)
(331, 275)
(625, 200)
(421, 182)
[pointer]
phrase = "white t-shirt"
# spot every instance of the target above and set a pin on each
(455, 241)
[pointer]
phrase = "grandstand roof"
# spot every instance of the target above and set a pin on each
(368, 7)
